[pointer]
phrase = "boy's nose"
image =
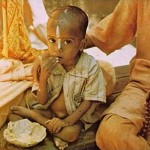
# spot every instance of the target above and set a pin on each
(59, 46)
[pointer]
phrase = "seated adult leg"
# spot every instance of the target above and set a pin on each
(118, 133)
(123, 122)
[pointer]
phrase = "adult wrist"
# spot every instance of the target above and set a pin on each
(89, 42)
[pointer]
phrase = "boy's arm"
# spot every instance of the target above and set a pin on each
(56, 124)
(78, 113)
(45, 72)
(42, 93)
(37, 64)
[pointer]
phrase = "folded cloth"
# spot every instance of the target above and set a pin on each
(14, 70)
(15, 79)
(5, 66)
(12, 89)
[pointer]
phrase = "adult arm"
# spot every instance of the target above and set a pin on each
(117, 29)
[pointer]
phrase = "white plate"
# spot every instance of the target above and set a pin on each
(24, 133)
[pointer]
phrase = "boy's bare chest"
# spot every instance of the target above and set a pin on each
(58, 106)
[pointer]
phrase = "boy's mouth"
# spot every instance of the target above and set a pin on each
(59, 57)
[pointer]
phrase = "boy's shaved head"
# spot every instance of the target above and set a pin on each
(71, 15)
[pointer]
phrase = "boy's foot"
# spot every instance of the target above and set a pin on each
(60, 143)
(14, 117)
(22, 111)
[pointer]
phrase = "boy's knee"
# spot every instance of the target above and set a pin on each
(72, 135)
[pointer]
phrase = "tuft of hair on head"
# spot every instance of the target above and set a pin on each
(74, 13)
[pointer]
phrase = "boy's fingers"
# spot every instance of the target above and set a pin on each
(58, 129)
(47, 121)
(27, 54)
(13, 108)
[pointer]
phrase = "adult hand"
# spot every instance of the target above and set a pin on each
(88, 42)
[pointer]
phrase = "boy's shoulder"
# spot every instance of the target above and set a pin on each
(88, 59)
(85, 55)
(85, 65)
(86, 62)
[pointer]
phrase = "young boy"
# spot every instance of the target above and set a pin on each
(71, 84)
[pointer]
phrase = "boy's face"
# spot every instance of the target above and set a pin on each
(64, 41)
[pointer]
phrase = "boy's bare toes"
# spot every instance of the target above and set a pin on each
(13, 108)
(60, 143)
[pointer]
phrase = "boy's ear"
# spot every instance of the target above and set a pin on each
(82, 44)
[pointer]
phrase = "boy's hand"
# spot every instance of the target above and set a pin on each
(47, 66)
(37, 65)
(55, 125)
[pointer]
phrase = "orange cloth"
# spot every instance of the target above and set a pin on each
(125, 136)
(15, 36)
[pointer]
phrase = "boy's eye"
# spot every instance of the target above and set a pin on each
(52, 40)
(67, 41)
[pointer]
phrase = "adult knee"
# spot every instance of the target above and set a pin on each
(101, 135)
(107, 136)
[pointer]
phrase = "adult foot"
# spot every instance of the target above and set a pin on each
(60, 143)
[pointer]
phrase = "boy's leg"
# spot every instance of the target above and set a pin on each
(70, 133)
(31, 114)
(121, 134)
(15, 117)
(67, 134)
(27, 98)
